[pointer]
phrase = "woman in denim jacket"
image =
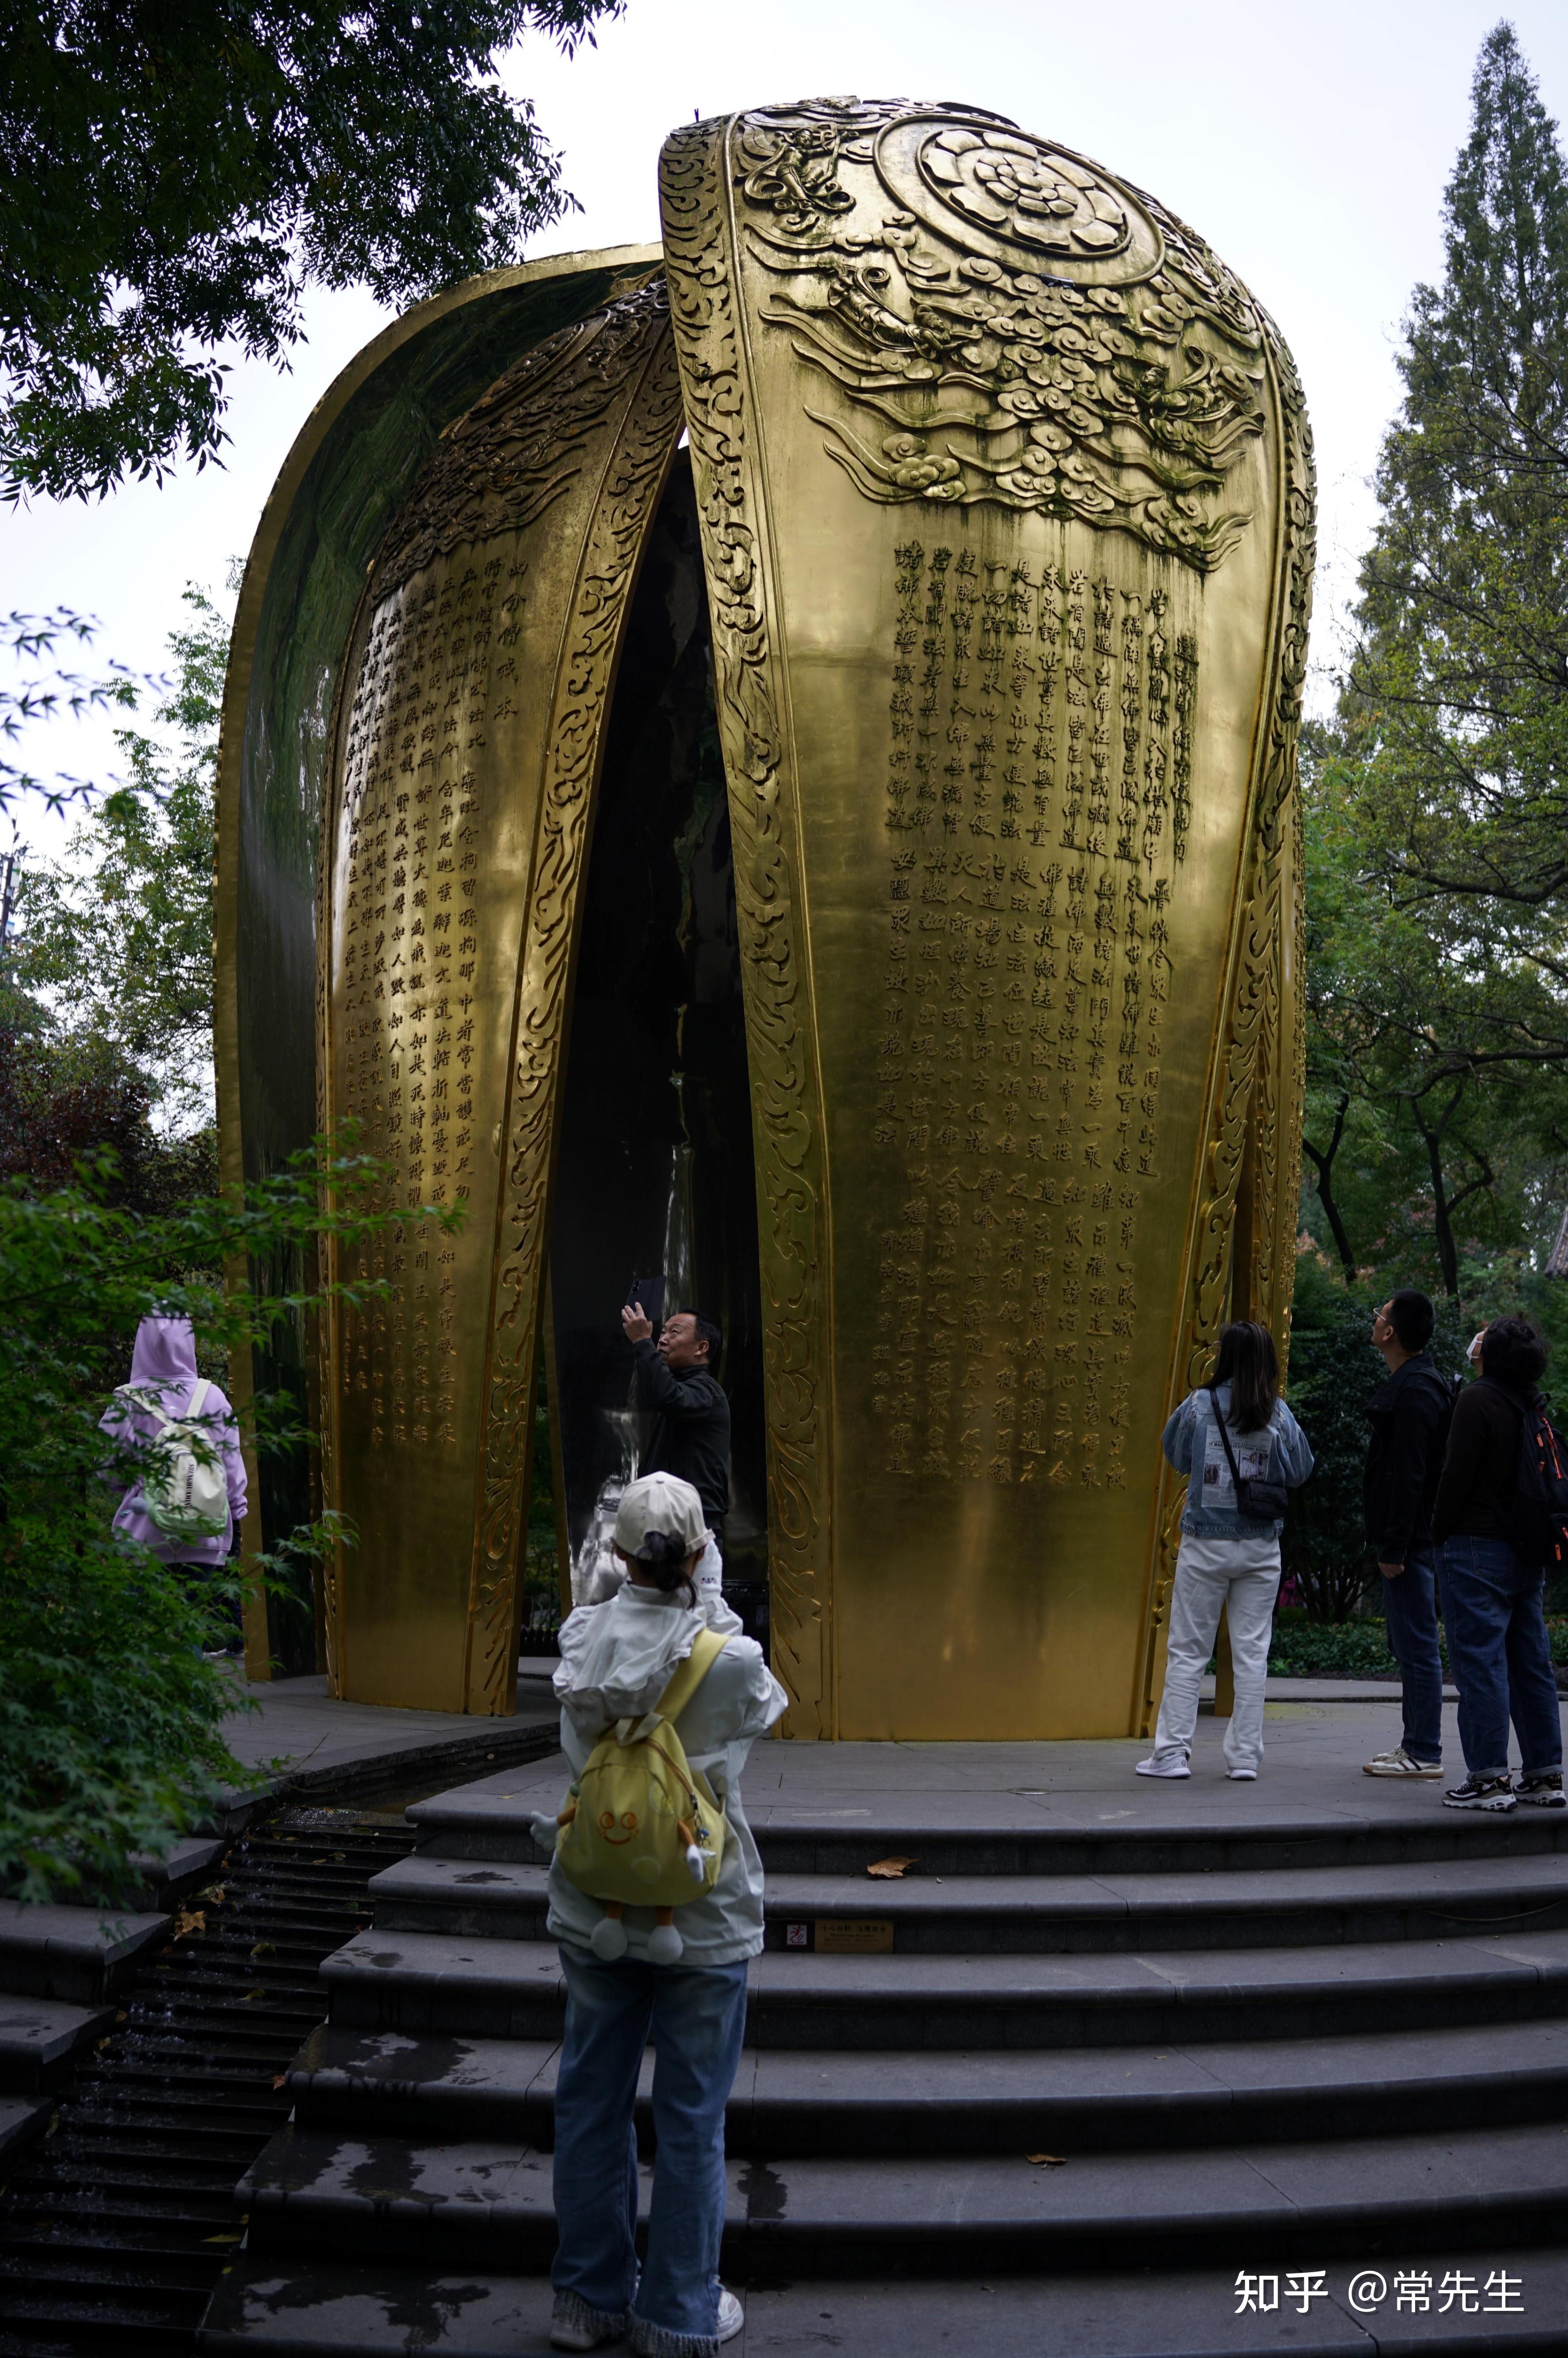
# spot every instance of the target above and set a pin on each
(1228, 1560)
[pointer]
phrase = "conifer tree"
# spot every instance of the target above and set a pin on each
(1440, 804)
(1460, 683)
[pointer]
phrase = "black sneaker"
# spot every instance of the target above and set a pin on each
(1544, 1791)
(1480, 1793)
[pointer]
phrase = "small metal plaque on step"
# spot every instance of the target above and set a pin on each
(844, 1936)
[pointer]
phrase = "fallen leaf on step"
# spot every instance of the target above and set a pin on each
(189, 1920)
(889, 1869)
(1047, 2160)
(281, 2081)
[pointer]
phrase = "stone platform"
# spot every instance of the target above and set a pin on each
(307, 1741)
(1113, 2044)
(62, 1967)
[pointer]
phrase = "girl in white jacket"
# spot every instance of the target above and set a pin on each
(1236, 1426)
(617, 1658)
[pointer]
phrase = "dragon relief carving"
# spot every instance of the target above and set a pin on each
(926, 268)
(522, 443)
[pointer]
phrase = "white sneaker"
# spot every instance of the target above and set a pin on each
(574, 2325)
(1242, 1775)
(731, 2317)
(1155, 1767)
(1399, 1763)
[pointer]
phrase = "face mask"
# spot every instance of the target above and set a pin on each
(1474, 1352)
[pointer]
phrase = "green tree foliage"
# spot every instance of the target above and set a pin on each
(172, 180)
(1422, 1148)
(1459, 688)
(110, 1715)
(51, 693)
(116, 938)
(1437, 848)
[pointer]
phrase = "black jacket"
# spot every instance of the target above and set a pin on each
(690, 1432)
(1474, 1497)
(1407, 1415)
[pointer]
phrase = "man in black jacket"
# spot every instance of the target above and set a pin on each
(689, 1436)
(1410, 1414)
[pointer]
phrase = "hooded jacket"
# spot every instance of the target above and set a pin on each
(616, 1661)
(163, 1365)
(1192, 1445)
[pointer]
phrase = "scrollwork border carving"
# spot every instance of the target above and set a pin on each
(643, 353)
(700, 247)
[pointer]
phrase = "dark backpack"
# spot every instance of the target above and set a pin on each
(1537, 1512)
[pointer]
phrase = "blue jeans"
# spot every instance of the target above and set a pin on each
(695, 2016)
(1493, 1610)
(1410, 1608)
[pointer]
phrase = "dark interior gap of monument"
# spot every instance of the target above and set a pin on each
(654, 1173)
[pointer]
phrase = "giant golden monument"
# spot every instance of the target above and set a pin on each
(778, 752)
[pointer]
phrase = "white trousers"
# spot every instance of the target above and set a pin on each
(1242, 1576)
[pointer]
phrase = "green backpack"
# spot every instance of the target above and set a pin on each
(640, 1828)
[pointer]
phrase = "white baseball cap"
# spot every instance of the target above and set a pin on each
(660, 1502)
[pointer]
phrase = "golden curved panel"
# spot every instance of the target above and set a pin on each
(350, 469)
(1006, 495)
(467, 740)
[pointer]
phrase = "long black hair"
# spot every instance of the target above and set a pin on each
(1248, 1363)
(662, 1558)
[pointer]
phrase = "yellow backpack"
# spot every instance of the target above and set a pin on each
(640, 1828)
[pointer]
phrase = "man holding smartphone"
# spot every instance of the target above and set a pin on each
(689, 1437)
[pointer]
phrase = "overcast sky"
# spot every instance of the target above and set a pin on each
(1309, 146)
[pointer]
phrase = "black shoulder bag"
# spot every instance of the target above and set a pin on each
(1258, 1501)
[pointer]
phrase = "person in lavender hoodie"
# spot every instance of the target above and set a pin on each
(164, 1371)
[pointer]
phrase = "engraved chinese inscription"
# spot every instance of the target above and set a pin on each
(1037, 808)
(437, 671)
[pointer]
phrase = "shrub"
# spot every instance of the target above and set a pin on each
(110, 1719)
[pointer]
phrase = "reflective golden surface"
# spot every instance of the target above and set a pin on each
(349, 472)
(1007, 498)
(476, 686)
(1004, 493)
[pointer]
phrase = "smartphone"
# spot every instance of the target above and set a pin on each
(650, 1292)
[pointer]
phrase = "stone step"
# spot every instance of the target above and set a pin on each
(182, 1869)
(268, 2307)
(1102, 2099)
(40, 2036)
(81, 1956)
(1241, 1828)
(422, 1981)
(21, 2119)
(489, 2204)
(1057, 1914)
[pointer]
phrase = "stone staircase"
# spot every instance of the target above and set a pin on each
(1074, 2080)
(63, 1968)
